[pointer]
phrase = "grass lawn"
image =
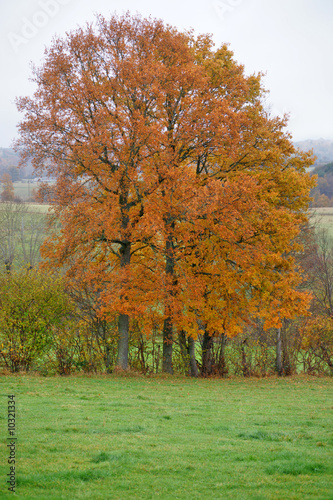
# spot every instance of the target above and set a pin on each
(109, 437)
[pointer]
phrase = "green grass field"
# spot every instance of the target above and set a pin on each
(24, 189)
(122, 437)
(323, 218)
(23, 229)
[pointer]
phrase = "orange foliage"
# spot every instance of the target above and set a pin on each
(7, 193)
(179, 197)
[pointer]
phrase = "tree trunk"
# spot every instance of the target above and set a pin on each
(123, 319)
(167, 346)
(279, 368)
(245, 365)
(187, 347)
(193, 362)
(8, 266)
(108, 359)
(207, 342)
(183, 349)
(221, 359)
(168, 324)
(285, 350)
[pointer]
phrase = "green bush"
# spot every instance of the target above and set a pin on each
(32, 304)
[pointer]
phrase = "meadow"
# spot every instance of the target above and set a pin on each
(323, 217)
(24, 189)
(23, 230)
(119, 437)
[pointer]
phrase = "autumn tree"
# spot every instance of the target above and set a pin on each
(7, 193)
(234, 221)
(176, 192)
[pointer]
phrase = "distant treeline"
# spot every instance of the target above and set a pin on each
(323, 193)
(9, 159)
(9, 164)
(322, 148)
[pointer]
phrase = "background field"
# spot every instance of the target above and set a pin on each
(170, 438)
(25, 190)
(323, 217)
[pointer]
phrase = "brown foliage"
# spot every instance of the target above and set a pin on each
(178, 195)
(7, 193)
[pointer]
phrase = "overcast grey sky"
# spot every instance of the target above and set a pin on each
(290, 40)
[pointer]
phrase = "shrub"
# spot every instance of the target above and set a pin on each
(32, 304)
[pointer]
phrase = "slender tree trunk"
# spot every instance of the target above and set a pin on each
(245, 365)
(285, 349)
(327, 357)
(108, 359)
(279, 368)
(8, 266)
(207, 343)
(158, 358)
(123, 319)
(193, 362)
(221, 361)
(107, 349)
(125, 258)
(167, 346)
(168, 324)
(123, 327)
(183, 349)
(187, 347)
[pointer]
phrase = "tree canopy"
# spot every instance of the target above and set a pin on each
(179, 197)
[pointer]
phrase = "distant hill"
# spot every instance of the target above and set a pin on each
(8, 157)
(322, 148)
(323, 170)
(322, 194)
